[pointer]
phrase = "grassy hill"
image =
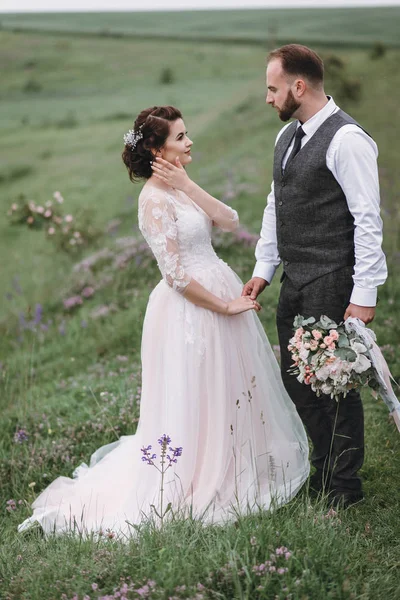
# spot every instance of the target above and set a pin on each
(326, 26)
(70, 377)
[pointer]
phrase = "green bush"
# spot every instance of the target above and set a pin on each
(378, 51)
(32, 86)
(167, 76)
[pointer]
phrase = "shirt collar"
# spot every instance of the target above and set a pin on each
(311, 126)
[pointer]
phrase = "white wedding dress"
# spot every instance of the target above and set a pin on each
(209, 381)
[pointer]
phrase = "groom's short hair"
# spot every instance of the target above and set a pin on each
(300, 60)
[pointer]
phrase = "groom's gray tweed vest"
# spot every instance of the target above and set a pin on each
(315, 229)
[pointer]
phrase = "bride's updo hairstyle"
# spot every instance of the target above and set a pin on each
(150, 132)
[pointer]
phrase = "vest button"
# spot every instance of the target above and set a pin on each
(286, 262)
(280, 203)
(283, 184)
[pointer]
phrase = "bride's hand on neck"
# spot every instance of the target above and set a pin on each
(173, 175)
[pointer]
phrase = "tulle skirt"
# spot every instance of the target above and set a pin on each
(212, 384)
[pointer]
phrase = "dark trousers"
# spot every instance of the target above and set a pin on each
(336, 429)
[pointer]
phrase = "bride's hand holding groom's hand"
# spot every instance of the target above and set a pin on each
(254, 287)
(242, 304)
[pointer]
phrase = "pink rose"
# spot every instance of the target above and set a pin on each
(316, 334)
(298, 333)
(328, 340)
(307, 346)
(334, 334)
(332, 347)
(313, 345)
(323, 346)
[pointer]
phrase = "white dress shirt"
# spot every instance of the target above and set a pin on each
(352, 159)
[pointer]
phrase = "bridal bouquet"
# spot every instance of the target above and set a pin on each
(334, 359)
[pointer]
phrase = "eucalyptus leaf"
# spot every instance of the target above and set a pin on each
(327, 323)
(309, 321)
(298, 321)
(343, 341)
(346, 354)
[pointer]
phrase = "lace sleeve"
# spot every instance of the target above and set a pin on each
(158, 226)
(224, 217)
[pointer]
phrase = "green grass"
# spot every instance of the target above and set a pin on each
(64, 132)
(350, 26)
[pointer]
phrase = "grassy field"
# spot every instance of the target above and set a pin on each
(70, 378)
(350, 26)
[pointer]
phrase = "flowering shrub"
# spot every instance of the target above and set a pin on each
(241, 237)
(66, 231)
(330, 359)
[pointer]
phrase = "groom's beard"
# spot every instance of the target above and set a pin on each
(289, 108)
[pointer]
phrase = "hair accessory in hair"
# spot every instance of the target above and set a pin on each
(131, 138)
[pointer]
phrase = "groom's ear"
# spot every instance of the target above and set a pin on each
(300, 87)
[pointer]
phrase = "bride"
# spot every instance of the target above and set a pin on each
(210, 381)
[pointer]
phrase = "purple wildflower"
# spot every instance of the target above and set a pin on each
(16, 285)
(247, 238)
(165, 463)
(38, 314)
(164, 440)
(176, 452)
(61, 328)
(22, 321)
(20, 436)
(144, 591)
(11, 505)
(72, 302)
(259, 569)
(87, 291)
(147, 457)
(268, 563)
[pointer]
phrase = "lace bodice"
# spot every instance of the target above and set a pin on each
(179, 233)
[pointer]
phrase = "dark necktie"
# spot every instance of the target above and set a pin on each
(297, 145)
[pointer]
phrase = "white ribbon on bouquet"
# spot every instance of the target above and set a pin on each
(383, 374)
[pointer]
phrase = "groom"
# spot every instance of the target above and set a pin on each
(322, 222)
